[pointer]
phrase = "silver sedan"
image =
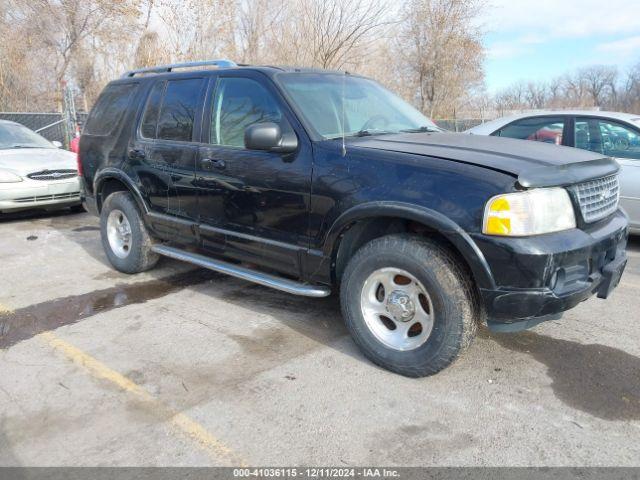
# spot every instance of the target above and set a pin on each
(34, 173)
(612, 134)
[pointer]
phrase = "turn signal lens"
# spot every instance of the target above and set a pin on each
(532, 212)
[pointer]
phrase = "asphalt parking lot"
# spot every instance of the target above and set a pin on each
(188, 367)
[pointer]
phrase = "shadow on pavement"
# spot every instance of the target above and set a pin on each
(596, 379)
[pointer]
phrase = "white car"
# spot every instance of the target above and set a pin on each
(35, 173)
(612, 134)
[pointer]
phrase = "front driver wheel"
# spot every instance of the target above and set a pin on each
(124, 236)
(409, 304)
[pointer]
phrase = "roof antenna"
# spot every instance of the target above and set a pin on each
(344, 146)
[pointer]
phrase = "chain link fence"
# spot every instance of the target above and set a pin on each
(50, 125)
(459, 124)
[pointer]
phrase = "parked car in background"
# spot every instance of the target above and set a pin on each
(74, 144)
(612, 134)
(35, 173)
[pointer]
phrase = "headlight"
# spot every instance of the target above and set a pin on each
(532, 212)
(8, 177)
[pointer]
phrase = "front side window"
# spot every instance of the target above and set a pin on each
(343, 104)
(619, 140)
(109, 109)
(542, 129)
(13, 135)
(178, 110)
(240, 102)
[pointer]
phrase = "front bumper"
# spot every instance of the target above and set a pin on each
(30, 194)
(540, 277)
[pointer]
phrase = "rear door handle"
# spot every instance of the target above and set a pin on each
(211, 163)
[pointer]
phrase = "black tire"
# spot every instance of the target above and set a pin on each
(78, 209)
(449, 286)
(139, 256)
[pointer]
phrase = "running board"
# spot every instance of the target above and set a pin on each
(283, 284)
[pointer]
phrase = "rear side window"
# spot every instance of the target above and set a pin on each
(109, 109)
(152, 111)
(546, 130)
(178, 109)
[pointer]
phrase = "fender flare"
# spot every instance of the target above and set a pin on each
(114, 173)
(460, 239)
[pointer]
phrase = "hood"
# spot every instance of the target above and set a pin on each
(23, 161)
(534, 164)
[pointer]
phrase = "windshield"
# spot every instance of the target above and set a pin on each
(18, 136)
(369, 109)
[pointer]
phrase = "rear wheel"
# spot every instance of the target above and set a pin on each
(124, 236)
(409, 304)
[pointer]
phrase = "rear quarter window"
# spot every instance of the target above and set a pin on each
(109, 109)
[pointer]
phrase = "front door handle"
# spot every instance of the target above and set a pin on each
(136, 154)
(211, 163)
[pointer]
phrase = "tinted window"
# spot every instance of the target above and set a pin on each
(241, 102)
(178, 110)
(587, 136)
(547, 130)
(151, 112)
(109, 108)
(619, 140)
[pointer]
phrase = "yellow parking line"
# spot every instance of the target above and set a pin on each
(190, 427)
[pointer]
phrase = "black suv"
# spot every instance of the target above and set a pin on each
(313, 181)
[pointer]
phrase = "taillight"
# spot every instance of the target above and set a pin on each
(79, 161)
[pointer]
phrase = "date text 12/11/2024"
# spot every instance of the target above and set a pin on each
(318, 472)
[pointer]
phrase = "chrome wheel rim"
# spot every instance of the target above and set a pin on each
(119, 233)
(397, 309)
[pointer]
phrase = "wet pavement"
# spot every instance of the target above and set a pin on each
(182, 366)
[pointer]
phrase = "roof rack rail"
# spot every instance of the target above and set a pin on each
(168, 68)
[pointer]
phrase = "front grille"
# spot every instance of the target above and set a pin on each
(47, 198)
(53, 174)
(598, 198)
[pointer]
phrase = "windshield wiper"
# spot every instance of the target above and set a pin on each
(19, 146)
(424, 128)
(367, 133)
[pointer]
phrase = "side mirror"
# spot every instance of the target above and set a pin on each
(268, 136)
(57, 144)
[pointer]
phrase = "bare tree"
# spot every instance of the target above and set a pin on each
(197, 29)
(630, 98)
(511, 98)
(432, 57)
(150, 51)
(599, 82)
(441, 50)
(554, 89)
(260, 31)
(594, 86)
(536, 95)
(336, 30)
(64, 37)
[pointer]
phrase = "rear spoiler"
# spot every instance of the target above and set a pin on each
(568, 174)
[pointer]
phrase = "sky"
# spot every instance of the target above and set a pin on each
(541, 39)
